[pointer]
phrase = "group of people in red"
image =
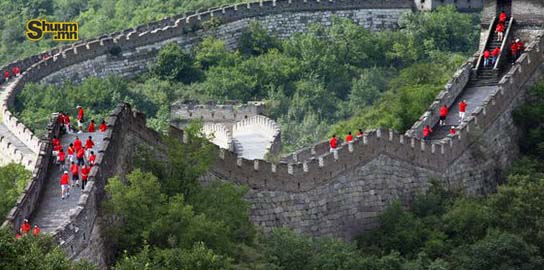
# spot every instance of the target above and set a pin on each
(443, 113)
(333, 142)
(516, 46)
(26, 229)
(77, 154)
(15, 71)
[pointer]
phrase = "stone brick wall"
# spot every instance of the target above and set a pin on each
(284, 18)
(29, 199)
(227, 114)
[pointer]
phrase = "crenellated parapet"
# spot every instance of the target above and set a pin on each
(220, 135)
(182, 113)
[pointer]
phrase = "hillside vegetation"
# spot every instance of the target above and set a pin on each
(342, 76)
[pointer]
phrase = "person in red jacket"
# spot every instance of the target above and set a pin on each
(15, 71)
(74, 169)
(462, 110)
(91, 126)
(80, 118)
(71, 152)
(333, 143)
(55, 140)
(520, 47)
(80, 156)
(499, 29)
(6, 75)
(495, 54)
(103, 126)
(64, 185)
(61, 159)
(427, 132)
(452, 130)
(443, 113)
(36, 230)
(349, 137)
(514, 51)
(360, 133)
(502, 17)
(85, 171)
(92, 158)
(487, 58)
(77, 144)
(88, 145)
(67, 123)
(25, 227)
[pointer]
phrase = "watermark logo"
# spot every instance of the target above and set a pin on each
(61, 31)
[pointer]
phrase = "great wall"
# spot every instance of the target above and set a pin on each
(310, 191)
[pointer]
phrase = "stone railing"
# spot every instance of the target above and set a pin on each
(310, 172)
(28, 200)
(220, 134)
(215, 112)
(446, 97)
(262, 125)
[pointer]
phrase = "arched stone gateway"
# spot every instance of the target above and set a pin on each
(312, 191)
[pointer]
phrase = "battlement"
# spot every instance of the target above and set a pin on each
(182, 113)
(220, 134)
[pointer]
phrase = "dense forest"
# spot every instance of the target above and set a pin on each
(342, 76)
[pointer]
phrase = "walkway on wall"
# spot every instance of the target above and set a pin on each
(52, 211)
(474, 96)
(6, 134)
(251, 145)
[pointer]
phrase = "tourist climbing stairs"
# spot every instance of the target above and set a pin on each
(490, 74)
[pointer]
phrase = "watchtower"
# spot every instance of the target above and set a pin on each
(525, 12)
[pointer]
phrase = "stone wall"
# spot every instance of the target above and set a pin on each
(462, 5)
(182, 113)
(262, 125)
(221, 135)
(284, 18)
(29, 199)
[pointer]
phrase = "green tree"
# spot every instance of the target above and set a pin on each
(13, 179)
(175, 65)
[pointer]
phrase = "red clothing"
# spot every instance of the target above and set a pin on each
(55, 141)
(514, 48)
(17, 236)
(103, 127)
(85, 172)
(77, 144)
(499, 28)
(443, 111)
(427, 131)
(25, 227)
(452, 131)
(502, 17)
(80, 114)
(80, 153)
(6, 74)
(36, 231)
(487, 54)
(62, 156)
(359, 134)
(349, 138)
(333, 143)
(92, 158)
(89, 144)
(61, 118)
(64, 179)
(70, 150)
(74, 169)
(462, 106)
(66, 119)
(91, 127)
(496, 51)
(519, 45)
(57, 147)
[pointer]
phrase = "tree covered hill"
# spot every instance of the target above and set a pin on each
(95, 17)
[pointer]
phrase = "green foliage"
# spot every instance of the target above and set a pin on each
(175, 65)
(529, 119)
(34, 252)
(256, 41)
(13, 179)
